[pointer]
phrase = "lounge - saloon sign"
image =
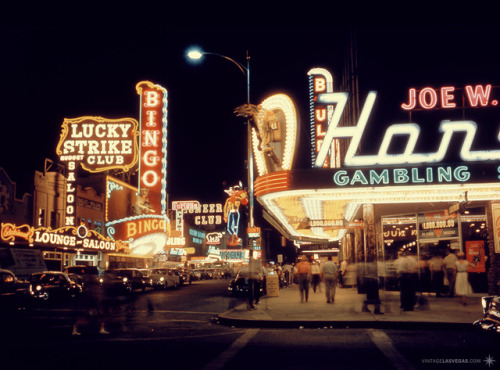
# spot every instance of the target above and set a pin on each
(407, 167)
(64, 237)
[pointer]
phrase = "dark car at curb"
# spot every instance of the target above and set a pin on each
(239, 286)
(53, 285)
(14, 293)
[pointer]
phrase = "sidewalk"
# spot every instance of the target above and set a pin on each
(286, 311)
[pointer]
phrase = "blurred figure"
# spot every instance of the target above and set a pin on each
(316, 276)
(407, 269)
(287, 273)
(437, 274)
(90, 307)
(342, 271)
(304, 276)
(450, 270)
(329, 273)
(462, 285)
(255, 281)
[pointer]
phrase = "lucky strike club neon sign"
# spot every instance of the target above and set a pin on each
(328, 107)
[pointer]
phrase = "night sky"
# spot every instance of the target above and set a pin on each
(53, 73)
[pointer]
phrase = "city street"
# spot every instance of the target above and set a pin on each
(178, 329)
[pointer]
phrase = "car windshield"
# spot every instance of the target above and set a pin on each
(159, 271)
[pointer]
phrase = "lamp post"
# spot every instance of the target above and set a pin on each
(197, 55)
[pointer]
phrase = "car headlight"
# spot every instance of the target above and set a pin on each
(38, 287)
(125, 279)
(162, 279)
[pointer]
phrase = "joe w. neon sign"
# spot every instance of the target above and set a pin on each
(428, 98)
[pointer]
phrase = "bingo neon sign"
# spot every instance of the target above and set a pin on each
(153, 147)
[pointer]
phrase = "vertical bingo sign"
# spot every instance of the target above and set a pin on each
(153, 147)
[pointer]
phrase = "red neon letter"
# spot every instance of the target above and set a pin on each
(478, 95)
(446, 97)
(412, 100)
(426, 93)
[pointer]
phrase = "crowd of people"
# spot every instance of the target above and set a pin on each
(448, 276)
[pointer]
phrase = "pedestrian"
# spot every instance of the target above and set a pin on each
(316, 276)
(437, 274)
(254, 279)
(462, 285)
(342, 271)
(407, 269)
(287, 271)
(450, 270)
(329, 273)
(304, 277)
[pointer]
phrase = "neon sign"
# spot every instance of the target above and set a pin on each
(99, 144)
(411, 130)
(153, 162)
(64, 237)
(428, 98)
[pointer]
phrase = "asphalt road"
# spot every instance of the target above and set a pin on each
(178, 329)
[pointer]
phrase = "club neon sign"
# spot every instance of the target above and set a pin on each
(98, 144)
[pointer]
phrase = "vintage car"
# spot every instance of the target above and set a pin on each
(89, 274)
(53, 285)
(14, 293)
(123, 280)
(163, 278)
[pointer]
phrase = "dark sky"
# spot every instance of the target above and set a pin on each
(53, 73)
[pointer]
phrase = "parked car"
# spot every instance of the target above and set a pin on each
(123, 280)
(53, 285)
(89, 274)
(163, 278)
(14, 293)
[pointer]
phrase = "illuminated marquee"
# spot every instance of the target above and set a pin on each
(410, 130)
(64, 237)
(98, 144)
(153, 162)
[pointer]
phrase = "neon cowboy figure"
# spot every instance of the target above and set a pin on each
(237, 196)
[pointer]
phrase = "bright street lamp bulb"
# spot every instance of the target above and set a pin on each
(194, 54)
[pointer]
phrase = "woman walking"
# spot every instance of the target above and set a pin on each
(462, 285)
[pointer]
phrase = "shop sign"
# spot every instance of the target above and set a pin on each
(495, 208)
(437, 225)
(99, 144)
(322, 99)
(474, 250)
(64, 237)
(153, 147)
(214, 238)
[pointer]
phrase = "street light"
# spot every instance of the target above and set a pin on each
(197, 55)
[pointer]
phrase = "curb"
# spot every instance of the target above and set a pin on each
(315, 324)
